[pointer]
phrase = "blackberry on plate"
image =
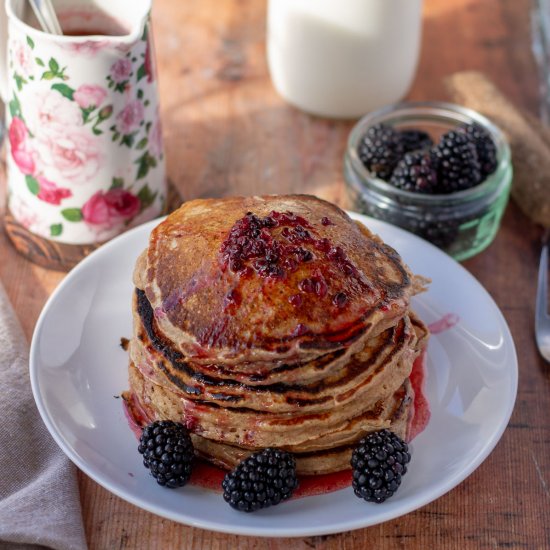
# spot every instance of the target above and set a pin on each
(414, 140)
(416, 172)
(485, 147)
(167, 452)
(458, 162)
(380, 150)
(263, 479)
(379, 461)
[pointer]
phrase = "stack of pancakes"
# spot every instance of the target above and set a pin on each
(273, 321)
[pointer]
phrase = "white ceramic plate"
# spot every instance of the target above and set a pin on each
(77, 369)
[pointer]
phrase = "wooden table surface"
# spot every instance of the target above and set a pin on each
(228, 132)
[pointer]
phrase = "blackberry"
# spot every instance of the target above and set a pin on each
(378, 462)
(416, 172)
(485, 147)
(263, 479)
(380, 150)
(414, 140)
(458, 163)
(440, 233)
(167, 452)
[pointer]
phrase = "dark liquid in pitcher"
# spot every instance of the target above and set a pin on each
(90, 32)
(75, 22)
(101, 25)
(83, 22)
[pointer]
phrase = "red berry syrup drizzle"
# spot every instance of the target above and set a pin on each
(275, 246)
(421, 411)
(446, 322)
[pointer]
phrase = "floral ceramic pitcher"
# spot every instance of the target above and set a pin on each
(84, 143)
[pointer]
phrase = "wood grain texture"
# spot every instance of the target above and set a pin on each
(44, 252)
(227, 132)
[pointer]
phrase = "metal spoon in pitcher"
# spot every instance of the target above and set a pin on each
(47, 18)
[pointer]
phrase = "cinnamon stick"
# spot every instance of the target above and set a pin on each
(529, 140)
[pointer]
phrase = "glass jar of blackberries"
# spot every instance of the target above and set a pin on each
(438, 170)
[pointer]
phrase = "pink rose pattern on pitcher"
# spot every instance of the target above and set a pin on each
(57, 143)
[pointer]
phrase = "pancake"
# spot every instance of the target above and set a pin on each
(318, 461)
(377, 369)
(257, 278)
(305, 431)
(273, 321)
(312, 459)
(253, 429)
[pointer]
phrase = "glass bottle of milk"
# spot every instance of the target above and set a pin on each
(343, 58)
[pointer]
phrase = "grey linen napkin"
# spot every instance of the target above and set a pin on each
(39, 501)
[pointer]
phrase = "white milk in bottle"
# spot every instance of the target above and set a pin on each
(343, 58)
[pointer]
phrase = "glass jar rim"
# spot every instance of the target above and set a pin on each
(430, 110)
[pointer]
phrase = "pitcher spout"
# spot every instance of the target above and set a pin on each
(105, 19)
(89, 20)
